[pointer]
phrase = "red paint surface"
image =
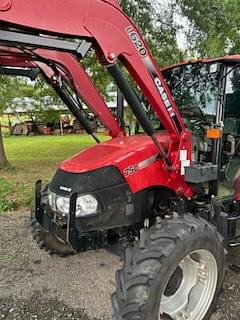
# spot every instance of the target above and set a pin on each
(233, 59)
(5, 5)
(130, 151)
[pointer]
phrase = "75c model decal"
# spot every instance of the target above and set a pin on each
(141, 165)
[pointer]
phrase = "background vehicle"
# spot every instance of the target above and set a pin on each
(156, 191)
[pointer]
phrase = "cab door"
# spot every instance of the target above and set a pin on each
(231, 133)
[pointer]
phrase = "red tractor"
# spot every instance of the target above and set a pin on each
(165, 194)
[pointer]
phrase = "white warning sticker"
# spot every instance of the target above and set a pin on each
(184, 164)
(183, 155)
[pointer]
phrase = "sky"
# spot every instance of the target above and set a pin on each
(181, 38)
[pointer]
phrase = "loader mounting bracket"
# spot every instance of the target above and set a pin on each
(13, 38)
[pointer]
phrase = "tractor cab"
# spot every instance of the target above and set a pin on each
(207, 93)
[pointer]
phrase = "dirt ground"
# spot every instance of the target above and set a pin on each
(35, 286)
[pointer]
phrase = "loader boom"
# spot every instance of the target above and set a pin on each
(111, 32)
(41, 58)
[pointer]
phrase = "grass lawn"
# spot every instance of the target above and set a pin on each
(34, 158)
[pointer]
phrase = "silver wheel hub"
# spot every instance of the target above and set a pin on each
(191, 288)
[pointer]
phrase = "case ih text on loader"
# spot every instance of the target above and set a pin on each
(166, 192)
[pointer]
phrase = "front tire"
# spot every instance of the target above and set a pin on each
(175, 271)
(48, 240)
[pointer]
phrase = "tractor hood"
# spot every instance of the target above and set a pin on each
(120, 152)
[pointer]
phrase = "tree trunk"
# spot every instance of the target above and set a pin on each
(4, 164)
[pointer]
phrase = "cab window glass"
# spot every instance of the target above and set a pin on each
(232, 107)
(194, 88)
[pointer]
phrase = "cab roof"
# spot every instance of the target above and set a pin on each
(231, 60)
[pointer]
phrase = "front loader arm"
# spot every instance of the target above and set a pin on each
(84, 87)
(80, 79)
(111, 32)
(14, 62)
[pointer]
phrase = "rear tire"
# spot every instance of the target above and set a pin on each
(175, 271)
(49, 241)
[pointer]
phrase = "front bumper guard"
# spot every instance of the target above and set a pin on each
(79, 241)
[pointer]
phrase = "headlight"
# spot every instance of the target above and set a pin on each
(86, 205)
(63, 205)
(52, 200)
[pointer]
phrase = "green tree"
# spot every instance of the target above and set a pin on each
(158, 27)
(213, 26)
(20, 92)
(3, 159)
(9, 89)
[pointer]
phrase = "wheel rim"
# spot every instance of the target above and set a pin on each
(191, 288)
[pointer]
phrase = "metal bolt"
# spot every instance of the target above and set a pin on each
(111, 56)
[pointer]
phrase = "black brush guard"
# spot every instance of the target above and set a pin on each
(70, 234)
